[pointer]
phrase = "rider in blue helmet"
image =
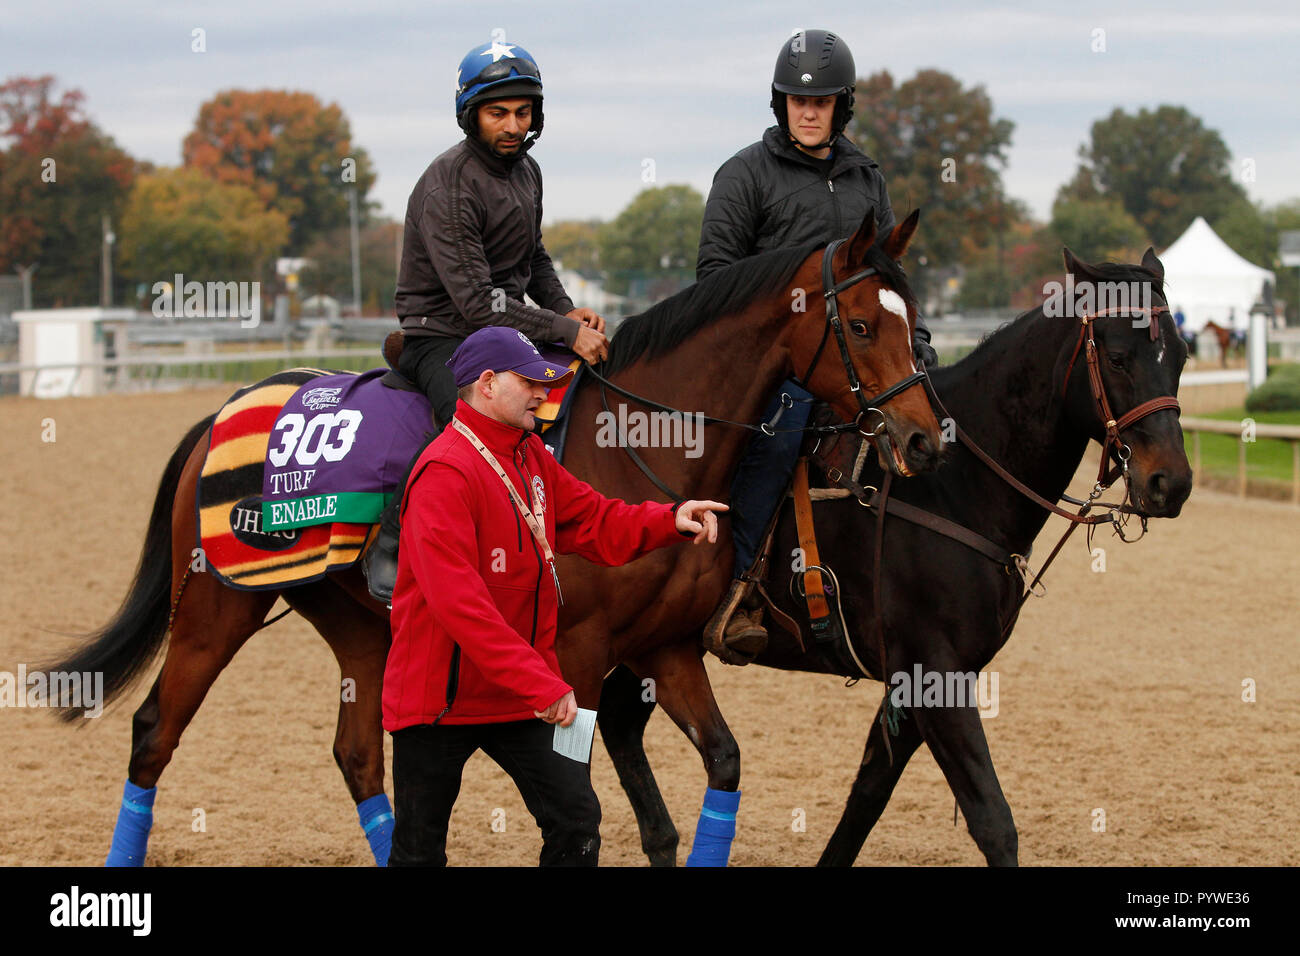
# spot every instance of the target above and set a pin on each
(496, 71)
(472, 250)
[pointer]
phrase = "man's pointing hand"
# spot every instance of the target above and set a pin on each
(698, 518)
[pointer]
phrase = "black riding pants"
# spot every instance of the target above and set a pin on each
(427, 764)
(424, 362)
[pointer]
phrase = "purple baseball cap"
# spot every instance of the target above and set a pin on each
(502, 349)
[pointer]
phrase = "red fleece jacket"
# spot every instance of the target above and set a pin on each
(474, 608)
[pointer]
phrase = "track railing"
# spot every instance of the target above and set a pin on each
(1286, 433)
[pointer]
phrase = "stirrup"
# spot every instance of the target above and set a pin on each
(737, 644)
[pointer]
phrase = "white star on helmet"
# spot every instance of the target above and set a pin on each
(498, 50)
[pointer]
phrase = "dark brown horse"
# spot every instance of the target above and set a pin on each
(720, 347)
(1024, 397)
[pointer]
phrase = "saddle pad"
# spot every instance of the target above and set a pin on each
(235, 546)
(338, 449)
(553, 414)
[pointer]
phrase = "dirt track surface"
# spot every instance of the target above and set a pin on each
(1121, 691)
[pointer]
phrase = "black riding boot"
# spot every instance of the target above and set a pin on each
(380, 562)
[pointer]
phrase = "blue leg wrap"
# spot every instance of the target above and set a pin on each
(134, 821)
(377, 821)
(716, 829)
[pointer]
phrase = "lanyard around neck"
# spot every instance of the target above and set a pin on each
(533, 518)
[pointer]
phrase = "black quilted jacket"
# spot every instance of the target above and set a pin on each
(771, 195)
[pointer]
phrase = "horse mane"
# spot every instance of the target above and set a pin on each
(667, 324)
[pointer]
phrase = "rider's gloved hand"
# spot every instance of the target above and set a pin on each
(924, 354)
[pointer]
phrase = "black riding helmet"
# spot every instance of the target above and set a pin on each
(815, 63)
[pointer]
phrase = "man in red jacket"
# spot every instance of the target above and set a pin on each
(473, 662)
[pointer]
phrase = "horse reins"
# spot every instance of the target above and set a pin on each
(879, 498)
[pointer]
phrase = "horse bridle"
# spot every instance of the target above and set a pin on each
(830, 292)
(1088, 343)
(880, 500)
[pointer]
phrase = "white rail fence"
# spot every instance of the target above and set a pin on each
(149, 372)
(1287, 433)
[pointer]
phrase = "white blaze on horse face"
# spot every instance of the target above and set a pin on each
(891, 301)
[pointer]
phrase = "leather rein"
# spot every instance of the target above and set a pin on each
(879, 499)
(830, 291)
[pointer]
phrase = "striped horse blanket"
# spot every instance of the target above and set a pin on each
(298, 470)
(300, 467)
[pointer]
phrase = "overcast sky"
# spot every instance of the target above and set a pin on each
(683, 83)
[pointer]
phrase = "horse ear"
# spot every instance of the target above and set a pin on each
(863, 239)
(898, 241)
(1152, 264)
(1071, 262)
(1076, 266)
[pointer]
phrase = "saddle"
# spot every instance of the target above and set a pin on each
(552, 416)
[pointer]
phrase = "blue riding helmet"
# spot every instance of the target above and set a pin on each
(496, 71)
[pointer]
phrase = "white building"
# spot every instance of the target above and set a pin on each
(70, 348)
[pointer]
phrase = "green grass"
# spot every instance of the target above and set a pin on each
(1267, 459)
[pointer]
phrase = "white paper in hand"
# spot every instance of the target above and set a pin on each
(574, 741)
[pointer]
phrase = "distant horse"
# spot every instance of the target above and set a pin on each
(1024, 397)
(1230, 340)
(720, 347)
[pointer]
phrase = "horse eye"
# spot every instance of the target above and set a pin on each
(860, 328)
(1116, 361)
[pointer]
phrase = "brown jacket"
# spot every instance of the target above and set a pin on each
(472, 247)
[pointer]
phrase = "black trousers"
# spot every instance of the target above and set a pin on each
(424, 362)
(427, 765)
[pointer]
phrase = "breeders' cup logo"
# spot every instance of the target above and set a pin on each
(539, 492)
(318, 398)
(523, 338)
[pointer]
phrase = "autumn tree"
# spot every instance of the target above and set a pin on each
(1097, 229)
(295, 153)
(59, 175)
(180, 220)
(941, 148)
(329, 271)
(657, 232)
(1164, 166)
(574, 244)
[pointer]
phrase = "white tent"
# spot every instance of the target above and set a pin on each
(1207, 280)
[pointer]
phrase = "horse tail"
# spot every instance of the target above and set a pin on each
(127, 644)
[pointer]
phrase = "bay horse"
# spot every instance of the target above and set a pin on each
(719, 347)
(1230, 341)
(1024, 397)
